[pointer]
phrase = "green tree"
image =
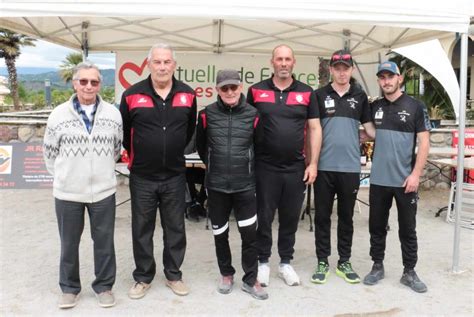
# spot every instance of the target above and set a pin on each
(10, 49)
(108, 94)
(67, 66)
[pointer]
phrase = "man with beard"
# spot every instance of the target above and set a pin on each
(400, 120)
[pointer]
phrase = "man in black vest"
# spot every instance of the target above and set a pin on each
(225, 142)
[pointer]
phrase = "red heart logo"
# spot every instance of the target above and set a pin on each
(134, 68)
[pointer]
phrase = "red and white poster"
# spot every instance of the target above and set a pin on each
(199, 70)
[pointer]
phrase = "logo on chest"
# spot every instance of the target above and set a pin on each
(352, 102)
(403, 115)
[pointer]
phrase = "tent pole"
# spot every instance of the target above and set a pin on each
(460, 159)
(85, 41)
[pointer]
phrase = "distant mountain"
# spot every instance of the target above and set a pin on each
(27, 70)
(35, 81)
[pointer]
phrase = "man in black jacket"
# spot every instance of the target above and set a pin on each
(225, 142)
(159, 115)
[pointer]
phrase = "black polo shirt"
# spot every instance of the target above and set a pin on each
(397, 124)
(340, 120)
(281, 129)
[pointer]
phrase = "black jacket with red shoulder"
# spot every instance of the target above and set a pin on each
(156, 131)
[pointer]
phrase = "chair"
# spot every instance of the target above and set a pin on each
(467, 206)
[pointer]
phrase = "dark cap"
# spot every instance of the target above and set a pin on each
(388, 66)
(227, 77)
(341, 56)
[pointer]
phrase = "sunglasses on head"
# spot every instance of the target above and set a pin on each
(227, 87)
(84, 82)
(344, 57)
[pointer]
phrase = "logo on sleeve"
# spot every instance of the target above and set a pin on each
(139, 101)
(182, 99)
(260, 95)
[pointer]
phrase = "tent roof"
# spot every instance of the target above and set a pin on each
(310, 27)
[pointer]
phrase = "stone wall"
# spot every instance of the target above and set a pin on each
(33, 131)
(432, 178)
(10, 133)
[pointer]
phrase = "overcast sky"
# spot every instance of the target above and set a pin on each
(45, 54)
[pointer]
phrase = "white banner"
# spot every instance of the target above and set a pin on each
(199, 71)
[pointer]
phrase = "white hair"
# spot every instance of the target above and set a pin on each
(163, 46)
(84, 65)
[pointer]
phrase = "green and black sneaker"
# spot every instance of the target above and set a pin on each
(320, 273)
(345, 271)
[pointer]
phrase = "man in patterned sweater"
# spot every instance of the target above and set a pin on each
(81, 144)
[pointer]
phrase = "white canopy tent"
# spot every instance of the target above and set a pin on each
(315, 28)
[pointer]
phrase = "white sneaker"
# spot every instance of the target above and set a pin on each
(288, 274)
(263, 274)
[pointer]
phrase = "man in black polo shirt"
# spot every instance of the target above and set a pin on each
(286, 106)
(400, 120)
(343, 107)
(159, 115)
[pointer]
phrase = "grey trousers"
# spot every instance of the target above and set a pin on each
(70, 217)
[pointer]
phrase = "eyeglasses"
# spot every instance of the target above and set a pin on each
(344, 57)
(84, 82)
(227, 87)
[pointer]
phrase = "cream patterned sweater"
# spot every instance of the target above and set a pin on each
(83, 164)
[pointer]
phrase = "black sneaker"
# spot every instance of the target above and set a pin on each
(376, 274)
(321, 272)
(345, 271)
(192, 213)
(410, 279)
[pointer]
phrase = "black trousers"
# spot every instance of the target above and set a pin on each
(70, 216)
(327, 185)
(381, 198)
(146, 195)
(285, 192)
(244, 205)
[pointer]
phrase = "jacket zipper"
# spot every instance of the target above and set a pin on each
(250, 161)
(229, 136)
(164, 134)
(209, 160)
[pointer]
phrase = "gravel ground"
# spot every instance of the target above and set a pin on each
(29, 254)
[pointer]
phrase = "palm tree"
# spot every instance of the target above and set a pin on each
(67, 66)
(10, 49)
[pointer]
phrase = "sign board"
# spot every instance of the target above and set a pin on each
(468, 144)
(22, 166)
(199, 70)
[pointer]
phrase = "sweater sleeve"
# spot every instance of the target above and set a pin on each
(118, 139)
(127, 124)
(50, 146)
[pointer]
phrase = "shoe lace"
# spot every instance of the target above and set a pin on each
(288, 270)
(322, 266)
(346, 267)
